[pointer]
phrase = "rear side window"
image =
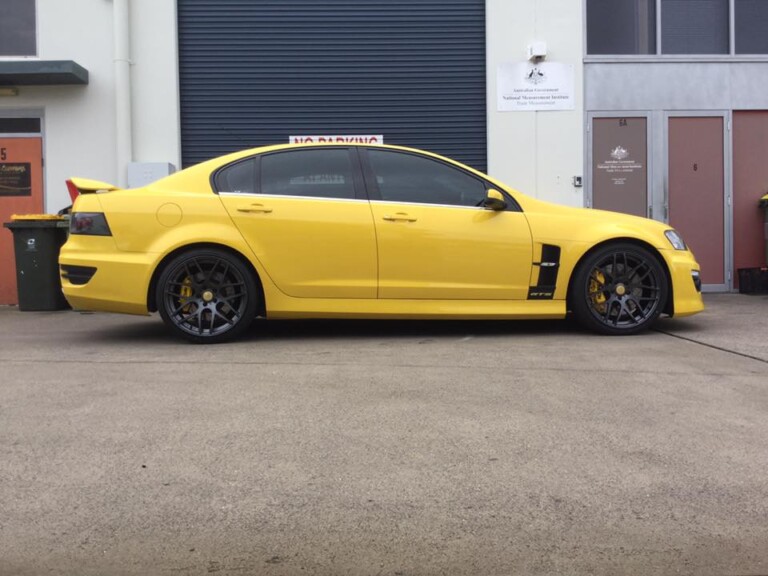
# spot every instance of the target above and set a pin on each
(239, 178)
(403, 177)
(314, 173)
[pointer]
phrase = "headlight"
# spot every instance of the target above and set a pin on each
(675, 239)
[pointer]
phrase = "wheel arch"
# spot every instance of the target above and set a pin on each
(151, 300)
(668, 305)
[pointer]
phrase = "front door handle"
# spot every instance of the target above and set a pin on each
(399, 217)
(258, 208)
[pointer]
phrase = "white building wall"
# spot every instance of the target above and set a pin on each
(155, 77)
(538, 152)
(79, 132)
(535, 152)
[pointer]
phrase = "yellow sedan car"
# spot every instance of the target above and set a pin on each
(355, 231)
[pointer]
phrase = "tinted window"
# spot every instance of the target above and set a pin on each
(694, 27)
(408, 178)
(314, 173)
(751, 26)
(239, 177)
(621, 26)
(17, 28)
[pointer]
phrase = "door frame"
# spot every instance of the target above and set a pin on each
(29, 113)
(727, 286)
(648, 115)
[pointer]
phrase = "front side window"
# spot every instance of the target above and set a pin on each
(402, 177)
(313, 173)
(621, 27)
(18, 28)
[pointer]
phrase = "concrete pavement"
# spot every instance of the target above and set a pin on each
(399, 448)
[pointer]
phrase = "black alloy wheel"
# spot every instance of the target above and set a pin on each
(207, 296)
(619, 289)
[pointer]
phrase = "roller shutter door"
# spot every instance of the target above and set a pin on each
(254, 72)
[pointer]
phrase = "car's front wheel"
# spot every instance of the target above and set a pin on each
(619, 289)
(207, 296)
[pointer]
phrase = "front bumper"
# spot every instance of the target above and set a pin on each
(685, 275)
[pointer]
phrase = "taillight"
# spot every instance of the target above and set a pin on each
(91, 223)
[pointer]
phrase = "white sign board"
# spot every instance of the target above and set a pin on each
(341, 139)
(535, 86)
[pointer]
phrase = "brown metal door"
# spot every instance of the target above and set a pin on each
(750, 183)
(696, 190)
(21, 192)
(619, 165)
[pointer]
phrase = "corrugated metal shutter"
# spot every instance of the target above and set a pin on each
(254, 72)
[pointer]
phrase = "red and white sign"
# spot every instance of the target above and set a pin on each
(341, 139)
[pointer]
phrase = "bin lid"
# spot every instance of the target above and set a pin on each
(764, 201)
(17, 217)
(21, 221)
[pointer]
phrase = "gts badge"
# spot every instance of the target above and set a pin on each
(539, 293)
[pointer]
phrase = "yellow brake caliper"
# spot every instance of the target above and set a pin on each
(186, 293)
(596, 283)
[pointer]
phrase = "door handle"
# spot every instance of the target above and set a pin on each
(259, 208)
(399, 217)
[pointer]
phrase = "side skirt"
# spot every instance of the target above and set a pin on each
(415, 309)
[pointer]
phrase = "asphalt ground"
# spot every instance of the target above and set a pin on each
(385, 448)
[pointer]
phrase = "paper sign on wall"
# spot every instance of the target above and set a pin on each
(527, 86)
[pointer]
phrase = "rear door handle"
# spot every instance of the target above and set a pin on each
(399, 217)
(255, 208)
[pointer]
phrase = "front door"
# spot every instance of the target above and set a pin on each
(21, 192)
(696, 191)
(435, 241)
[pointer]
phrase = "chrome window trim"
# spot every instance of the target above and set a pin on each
(290, 197)
(434, 205)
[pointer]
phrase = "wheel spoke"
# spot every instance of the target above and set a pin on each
(229, 320)
(180, 307)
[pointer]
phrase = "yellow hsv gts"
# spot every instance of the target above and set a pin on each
(330, 231)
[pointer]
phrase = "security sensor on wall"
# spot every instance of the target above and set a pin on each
(537, 51)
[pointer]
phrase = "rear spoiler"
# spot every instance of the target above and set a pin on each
(77, 186)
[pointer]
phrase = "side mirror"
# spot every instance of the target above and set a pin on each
(494, 200)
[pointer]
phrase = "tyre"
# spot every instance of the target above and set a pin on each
(619, 289)
(207, 296)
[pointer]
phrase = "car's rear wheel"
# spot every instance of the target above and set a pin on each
(207, 296)
(619, 289)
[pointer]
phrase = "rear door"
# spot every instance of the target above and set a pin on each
(304, 214)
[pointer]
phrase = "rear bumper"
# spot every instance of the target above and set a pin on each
(108, 281)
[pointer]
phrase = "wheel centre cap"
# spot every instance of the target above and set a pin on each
(208, 295)
(621, 289)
